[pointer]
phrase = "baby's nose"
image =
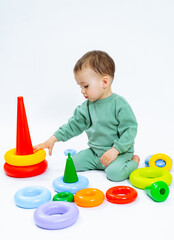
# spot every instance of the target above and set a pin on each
(82, 91)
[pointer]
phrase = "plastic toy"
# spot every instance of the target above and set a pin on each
(25, 171)
(23, 139)
(158, 163)
(121, 194)
(60, 186)
(22, 161)
(162, 156)
(64, 196)
(159, 191)
(56, 215)
(89, 197)
(143, 177)
(32, 197)
(70, 175)
(70, 182)
(71, 151)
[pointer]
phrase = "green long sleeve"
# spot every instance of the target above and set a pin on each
(127, 130)
(108, 122)
(76, 124)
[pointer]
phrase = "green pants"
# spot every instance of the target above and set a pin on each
(118, 170)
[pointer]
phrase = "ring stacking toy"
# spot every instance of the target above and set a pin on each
(158, 163)
(64, 196)
(159, 191)
(121, 194)
(25, 171)
(60, 186)
(32, 197)
(162, 156)
(56, 215)
(143, 177)
(24, 160)
(89, 197)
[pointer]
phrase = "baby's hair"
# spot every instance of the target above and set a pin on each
(98, 61)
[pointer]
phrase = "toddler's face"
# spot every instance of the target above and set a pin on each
(91, 84)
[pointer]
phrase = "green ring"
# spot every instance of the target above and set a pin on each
(159, 191)
(64, 196)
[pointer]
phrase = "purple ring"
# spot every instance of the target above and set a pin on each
(56, 215)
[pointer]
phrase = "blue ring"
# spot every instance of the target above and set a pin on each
(32, 197)
(158, 163)
(60, 186)
(71, 151)
(56, 215)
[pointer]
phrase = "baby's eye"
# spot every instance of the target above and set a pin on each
(86, 86)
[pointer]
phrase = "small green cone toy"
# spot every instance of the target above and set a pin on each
(70, 175)
(158, 191)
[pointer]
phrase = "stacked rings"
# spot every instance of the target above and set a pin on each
(21, 166)
(60, 186)
(164, 157)
(121, 194)
(56, 215)
(89, 197)
(24, 160)
(25, 171)
(158, 163)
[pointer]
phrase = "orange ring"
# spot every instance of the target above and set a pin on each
(121, 194)
(89, 197)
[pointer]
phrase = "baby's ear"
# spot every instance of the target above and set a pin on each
(106, 81)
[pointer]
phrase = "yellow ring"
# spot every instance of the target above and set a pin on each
(162, 156)
(24, 160)
(144, 177)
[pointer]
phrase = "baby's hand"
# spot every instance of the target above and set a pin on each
(47, 144)
(109, 156)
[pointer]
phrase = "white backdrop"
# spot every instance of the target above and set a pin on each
(40, 41)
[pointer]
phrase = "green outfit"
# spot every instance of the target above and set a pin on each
(108, 122)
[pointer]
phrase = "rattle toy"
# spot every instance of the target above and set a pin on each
(158, 163)
(22, 161)
(158, 191)
(32, 197)
(70, 182)
(56, 215)
(143, 177)
(64, 196)
(89, 197)
(121, 194)
(164, 157)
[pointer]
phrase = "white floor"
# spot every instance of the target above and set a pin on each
(40, 41)
(143, 218)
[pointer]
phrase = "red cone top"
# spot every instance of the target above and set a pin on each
(23, 139)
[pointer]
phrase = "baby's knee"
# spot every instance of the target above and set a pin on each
(116, 174)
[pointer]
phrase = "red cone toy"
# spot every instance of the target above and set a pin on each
(23, 139)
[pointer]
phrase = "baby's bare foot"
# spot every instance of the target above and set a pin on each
(136, 158)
